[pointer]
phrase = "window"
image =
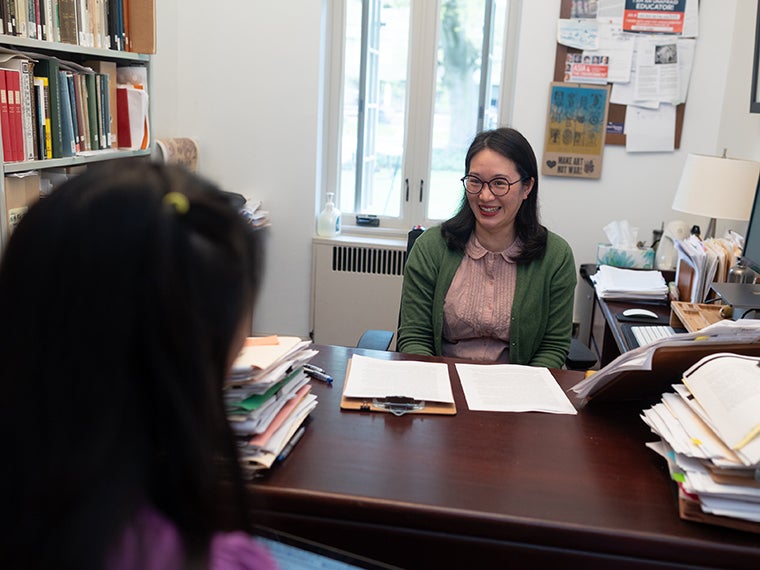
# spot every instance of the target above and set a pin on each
(413, 81)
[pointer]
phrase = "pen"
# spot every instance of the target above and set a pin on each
(291, 444)
(315, 368)
(319, 376)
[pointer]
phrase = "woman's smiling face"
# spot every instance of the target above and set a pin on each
(495, 215)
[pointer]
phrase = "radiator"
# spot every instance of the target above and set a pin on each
(356, 286)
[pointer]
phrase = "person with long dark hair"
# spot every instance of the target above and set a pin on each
(125, 296)
(491, 283)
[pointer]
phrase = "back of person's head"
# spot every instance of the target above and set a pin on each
(511, 144)
(123, 295)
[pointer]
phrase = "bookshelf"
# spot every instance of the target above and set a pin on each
(82, 55)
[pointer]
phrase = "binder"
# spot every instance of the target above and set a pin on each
(395, 404)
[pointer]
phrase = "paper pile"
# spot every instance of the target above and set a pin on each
(616, 283)
(710, 430)
(268, 399)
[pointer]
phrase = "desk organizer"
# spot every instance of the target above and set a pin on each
(693, 316)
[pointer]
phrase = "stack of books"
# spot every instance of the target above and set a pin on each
(710, 436)
(616, 283)
(268, 399)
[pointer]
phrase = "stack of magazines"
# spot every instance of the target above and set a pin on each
(268, 398)
(710, 437)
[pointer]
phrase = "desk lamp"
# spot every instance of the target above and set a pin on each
(717, 187)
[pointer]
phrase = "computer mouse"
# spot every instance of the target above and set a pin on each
(640, 313)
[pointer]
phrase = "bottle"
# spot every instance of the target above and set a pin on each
(740, 273)
(328, 222)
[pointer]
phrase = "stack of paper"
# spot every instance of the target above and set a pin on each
(616, 283)
(710, 430)
(268, 398)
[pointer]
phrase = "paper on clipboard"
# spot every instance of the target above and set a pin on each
(371, 380)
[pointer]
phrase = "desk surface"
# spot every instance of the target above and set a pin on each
(483, 488)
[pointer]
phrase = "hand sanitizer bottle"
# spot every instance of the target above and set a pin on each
(328, 222)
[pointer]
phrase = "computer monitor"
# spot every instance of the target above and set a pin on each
(751, 252)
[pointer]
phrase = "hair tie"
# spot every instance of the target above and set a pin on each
(178, 201)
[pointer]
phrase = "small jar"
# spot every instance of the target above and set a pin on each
(740, 273)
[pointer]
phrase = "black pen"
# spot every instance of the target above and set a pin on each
(315, 368)
(319, 376)
(291, 444)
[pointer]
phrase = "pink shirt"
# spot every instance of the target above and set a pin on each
(478, 305)
(153, 543)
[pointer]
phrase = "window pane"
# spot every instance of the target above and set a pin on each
(458, 95)
(376, 159)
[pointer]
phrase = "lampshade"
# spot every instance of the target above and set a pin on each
(717, 187)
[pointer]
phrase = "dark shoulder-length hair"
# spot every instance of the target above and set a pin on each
(511, 144)
(122, 295)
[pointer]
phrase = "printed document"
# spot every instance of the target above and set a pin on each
(375, 378)
(512, 388)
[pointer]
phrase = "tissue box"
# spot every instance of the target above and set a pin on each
(630, 257)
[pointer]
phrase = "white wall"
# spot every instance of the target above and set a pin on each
(246, 84)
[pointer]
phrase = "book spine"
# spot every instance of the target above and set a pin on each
(82, 105)
(39, 14)
(10, 8)
(5, 125)
(68, 147)
(27, 109)
(46, 137)
(92, 109)
(50, 71)
(34, 118)
(101, 136)
(22, 15)
(75, 117)
(13, 81)
(68, 21)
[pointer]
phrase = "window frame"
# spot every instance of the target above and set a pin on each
(417, 156)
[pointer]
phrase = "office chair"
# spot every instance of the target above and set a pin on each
(580, 357)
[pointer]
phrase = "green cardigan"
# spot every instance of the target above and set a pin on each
(542, 308)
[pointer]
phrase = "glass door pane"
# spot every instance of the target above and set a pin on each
(374, 109)
(470, 48)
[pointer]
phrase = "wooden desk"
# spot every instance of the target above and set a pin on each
(606, 334)
(487, 490)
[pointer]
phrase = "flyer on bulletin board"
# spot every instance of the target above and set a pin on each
(575, 130)
(654, 17)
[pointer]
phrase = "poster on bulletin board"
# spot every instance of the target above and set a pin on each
(575, 130)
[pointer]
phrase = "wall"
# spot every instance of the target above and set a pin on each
(246, 83)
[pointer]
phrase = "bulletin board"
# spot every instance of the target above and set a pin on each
(616, 112)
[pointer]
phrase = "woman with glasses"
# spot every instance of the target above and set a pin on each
(491, 283)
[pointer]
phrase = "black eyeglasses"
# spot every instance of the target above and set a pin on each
(498, 186)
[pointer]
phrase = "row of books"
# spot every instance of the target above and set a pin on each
(51, 108)
(106, 24)
(269, 400)
(710, 437)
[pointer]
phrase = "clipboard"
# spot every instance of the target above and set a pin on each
(394, 404)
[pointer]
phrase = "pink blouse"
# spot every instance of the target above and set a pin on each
(153, 543)
(478, 305)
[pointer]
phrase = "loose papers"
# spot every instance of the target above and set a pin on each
(512, 388)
